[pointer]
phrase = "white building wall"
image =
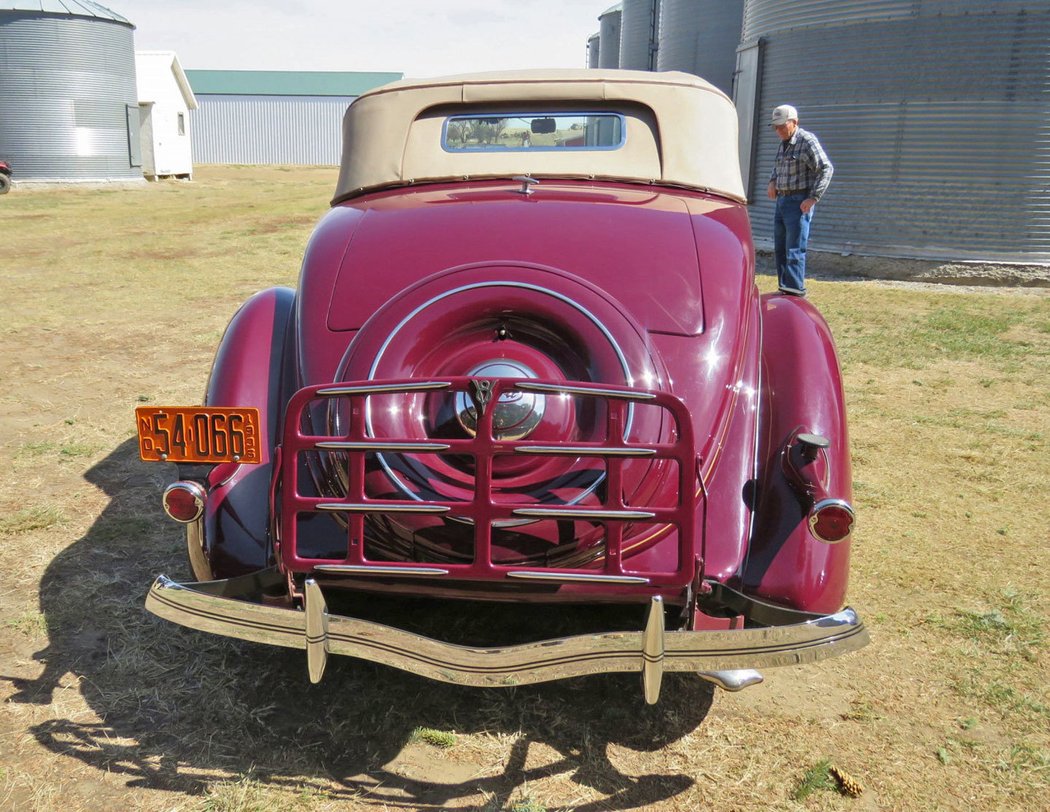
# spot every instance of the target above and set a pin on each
(163, 90)
(149, 163)
(172, 149)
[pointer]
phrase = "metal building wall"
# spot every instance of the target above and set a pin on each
(609, 30)
(593, 45)
(639, 25)
(700, 37)
(298, 130)
(936, 116)
(67, 90)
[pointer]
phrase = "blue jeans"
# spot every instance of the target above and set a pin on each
(790, 235)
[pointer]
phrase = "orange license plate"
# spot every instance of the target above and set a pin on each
(205, 434)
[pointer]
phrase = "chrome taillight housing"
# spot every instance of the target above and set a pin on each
(832, 520)
(184, 501)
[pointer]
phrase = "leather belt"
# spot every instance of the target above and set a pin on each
(784, 192)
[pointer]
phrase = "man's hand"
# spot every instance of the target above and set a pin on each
(807, 205)
(771, 190)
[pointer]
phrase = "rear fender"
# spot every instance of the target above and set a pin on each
(250, 369)
(802, 394)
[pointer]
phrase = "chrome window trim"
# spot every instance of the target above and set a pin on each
(610, 114)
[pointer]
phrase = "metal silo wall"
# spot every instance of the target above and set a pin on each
(638, 30)
(609, 30)
(936, 116)
(762, 18)
(593, 45)
(65, 85)
(700, 37)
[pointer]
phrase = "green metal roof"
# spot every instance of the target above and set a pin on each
(286, 83)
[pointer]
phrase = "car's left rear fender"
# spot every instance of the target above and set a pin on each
(250, 369)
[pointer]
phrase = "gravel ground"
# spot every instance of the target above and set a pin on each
(821, 265)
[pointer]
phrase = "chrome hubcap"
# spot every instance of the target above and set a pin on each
(516, 413)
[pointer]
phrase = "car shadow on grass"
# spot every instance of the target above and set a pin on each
(188, 712)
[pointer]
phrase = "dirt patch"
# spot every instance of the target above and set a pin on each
(824, 265)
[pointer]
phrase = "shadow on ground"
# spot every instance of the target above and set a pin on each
(182, 711)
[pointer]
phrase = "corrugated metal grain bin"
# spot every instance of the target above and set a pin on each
(936, 116)
(701, 36)
(593, 45)
(67, 85)
(639, 25)
(609, 29)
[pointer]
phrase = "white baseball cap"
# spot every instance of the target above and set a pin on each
(782, 114)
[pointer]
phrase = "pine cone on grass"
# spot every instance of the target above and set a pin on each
(847, 783)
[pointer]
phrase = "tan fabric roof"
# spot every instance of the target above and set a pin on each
(681, 130)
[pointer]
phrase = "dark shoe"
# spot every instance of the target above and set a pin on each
(793, 292)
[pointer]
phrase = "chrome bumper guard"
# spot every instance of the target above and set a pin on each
(219, 607)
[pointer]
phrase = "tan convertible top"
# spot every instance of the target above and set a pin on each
(680, 130)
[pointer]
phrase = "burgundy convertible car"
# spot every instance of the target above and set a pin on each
(526, 362)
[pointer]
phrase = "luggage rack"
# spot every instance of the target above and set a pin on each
(482, 511)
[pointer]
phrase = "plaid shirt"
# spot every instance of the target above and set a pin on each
(801, 165)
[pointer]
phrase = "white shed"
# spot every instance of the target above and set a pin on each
(165, 99)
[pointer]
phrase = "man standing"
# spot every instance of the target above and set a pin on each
(801, 174)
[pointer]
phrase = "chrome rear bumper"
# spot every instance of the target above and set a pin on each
(220, 607)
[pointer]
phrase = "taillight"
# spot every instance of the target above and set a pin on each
(184, 501)
(831, 520)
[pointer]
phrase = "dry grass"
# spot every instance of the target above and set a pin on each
(116, 297)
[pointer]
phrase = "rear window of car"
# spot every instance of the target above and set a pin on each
(522, 132)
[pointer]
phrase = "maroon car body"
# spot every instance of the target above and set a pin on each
(527, 362)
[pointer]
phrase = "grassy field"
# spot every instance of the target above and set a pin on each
(115, 297)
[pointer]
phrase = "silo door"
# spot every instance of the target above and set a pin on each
(746, 82)
(134, 136)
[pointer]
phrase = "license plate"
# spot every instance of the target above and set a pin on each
(205, 434)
